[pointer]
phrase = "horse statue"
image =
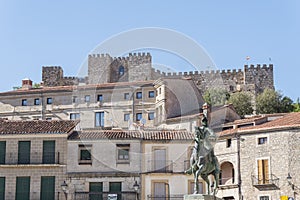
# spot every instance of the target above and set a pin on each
(203, 161)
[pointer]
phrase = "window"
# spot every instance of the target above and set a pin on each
(123, 152)
(226, 174)
(24, 102)
(24, 152)
(228, 143)
(160, 190)
(22, 188)
(150, 115)
(100, 97)
(126, 96)
(151, 94)
(49, 100)
(74, 116)
(48, 118)
(99, 119)
(121, 70)
(160, 162)
(95, 189)
(262, 140)
(159, 91)
(2, 187)
(49, 152)
(126, 117)
(115, 188)
(74, 99)
(264, 198)
(37, 102)
(263, 171)
(85, 155)
(2, 152)
(139, 95)
(87, 98)
(139, 116)
(47, 188)
(200, 185)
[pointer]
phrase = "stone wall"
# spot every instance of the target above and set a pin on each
(102, 68)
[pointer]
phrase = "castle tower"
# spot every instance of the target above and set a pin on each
(260, 76)
(52, 75)
(140, 67)
(99, 68)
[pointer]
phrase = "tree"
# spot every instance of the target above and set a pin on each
(241, 101)
(286, 105)
(216, 96)
(271, 101)
(296, 106)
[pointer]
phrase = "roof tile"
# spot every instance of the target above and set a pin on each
(36, 127)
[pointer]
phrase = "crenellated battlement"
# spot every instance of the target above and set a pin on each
(132, 56)
(258, 67)
(102, 68)
(191, 73)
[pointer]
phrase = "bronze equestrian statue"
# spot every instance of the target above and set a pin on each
(203, 161)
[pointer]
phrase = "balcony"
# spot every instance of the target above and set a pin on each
(267, 183)
(104, 195)
(165, 197)
(35, 158)
(160, 166)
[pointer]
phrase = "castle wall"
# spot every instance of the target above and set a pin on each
(102, 68)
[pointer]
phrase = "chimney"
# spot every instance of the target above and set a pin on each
(26, 83)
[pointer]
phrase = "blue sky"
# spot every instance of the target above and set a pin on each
(39, 33)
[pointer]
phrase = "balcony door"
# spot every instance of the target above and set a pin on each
(49, 152)
(160, 191)
(263, 171)
(160, 156)
(24, 152)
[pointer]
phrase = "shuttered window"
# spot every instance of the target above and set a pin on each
(2, 152)
(23, 188)
(2, 188)
(96, 189)
(115, 188)
(263, 171)
(49, 152)
(24, 152)
(47, 188)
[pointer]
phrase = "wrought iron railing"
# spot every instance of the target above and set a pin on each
(268, 180)
(165, 197)
(35, 158)
(105, 195)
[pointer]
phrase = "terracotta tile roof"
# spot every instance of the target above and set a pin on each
(288, 121)
(143, 135)
(37, 127)
(244, 121)
(82, 87)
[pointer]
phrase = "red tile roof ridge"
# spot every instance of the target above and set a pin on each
(75, 87)
(288, 121)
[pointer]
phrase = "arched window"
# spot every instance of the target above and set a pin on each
(121, 70)
(227, 174)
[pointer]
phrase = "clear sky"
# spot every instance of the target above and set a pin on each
(39, 33)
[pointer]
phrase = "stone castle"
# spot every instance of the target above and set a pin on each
(102, 68)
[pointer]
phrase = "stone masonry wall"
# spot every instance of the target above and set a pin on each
(102, 68)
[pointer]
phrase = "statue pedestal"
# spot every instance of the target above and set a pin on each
(199, 197)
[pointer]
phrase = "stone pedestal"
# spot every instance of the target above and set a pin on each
(199, 197)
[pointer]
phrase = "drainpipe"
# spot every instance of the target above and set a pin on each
(238, 136)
